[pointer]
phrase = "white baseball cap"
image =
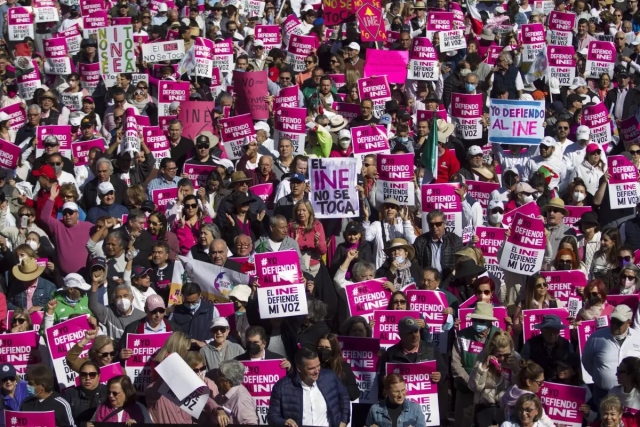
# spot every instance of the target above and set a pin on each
(578, 82)
(219, 322)
(499, 9)
(495, 203)
(70, 205)
(344, 134)
(4, 116)
(474, 150)
(583, 132)
(105, 187)
(554, 86)
(262, 126)
(162, 7)
(74, 280)
(354, 46)
(549, 141)
(258, 43)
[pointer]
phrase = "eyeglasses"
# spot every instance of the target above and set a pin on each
(114, 393)
(562, 127)
(158, 311)
(399, 301)
(91, 375)
(634, 152)
(539, 382)
(117, 117)
(437, 224)
(190, 205)
(198, 370)
(18, 320)
(8, 379)
(285, 78)
(502, 355)
(624, 276)
(68, 212)
(243, 245)
(527, 410)
(110, 353)
(172, 169)
(485, 292)
(541, 285)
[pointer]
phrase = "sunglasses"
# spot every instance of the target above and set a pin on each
(117, 117)
(596, 152)
(624, 276)
(554, 210)
(624, 258)
(634, 152)
(497, 210)
(485, 292)
(68, 212)
(18, 320)
(202, 146)
(218, 329)
(190, 205)
(8, 379)
(158, 311)
(399, 301)
(91, 375)
(562, 127)
(541, 285)
(285, 78)
(198, 370)
(436, 224)
(114, 393)
(110, 353)
(50, 145)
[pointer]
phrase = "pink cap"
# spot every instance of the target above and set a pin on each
(593, 147)
(153, 303)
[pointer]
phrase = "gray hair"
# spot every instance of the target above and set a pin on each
(136, 214)
(121, 287)
(360, 269)
(632, 267)
(320, 118)
(115, 234)
(104, 160)
(35, 107)
(232, 370)
(275, 219)
(211, 228)
(317, 310)
(285, 139)
(472, 75)
(435, 214)
(175, 121)
(224, 96)
(507, 57)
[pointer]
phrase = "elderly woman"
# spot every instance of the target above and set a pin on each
(200, 251)
(356, 326)
(308, 232)
(629, 281)
(395, 407)
(361, 271)
(594, 300)
(398, 269)
(611, 411)
(528, 412)
(233, 395)
(102, 351)
(492, 375)
(314, 325)
(121, 405)
(219, 348)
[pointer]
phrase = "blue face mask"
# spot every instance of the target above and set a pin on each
(448, 324)
(194, 307)
(403, 138)
(480, 327)
(31, 390)
(469, 87)
(71, 301)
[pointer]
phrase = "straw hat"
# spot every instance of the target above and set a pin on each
(556, 203)
(483, 311)
(27, 270)
(239, 176)
(401, 243)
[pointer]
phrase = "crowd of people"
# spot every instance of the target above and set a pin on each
(90, 238)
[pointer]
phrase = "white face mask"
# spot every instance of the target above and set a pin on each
(123, 305)
(528, 198)
(32, 244)
(578, 196)
(400, 259)
(495, 218)
(344, 143)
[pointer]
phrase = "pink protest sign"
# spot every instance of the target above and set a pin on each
(392, 63)
(562, 284)
(585, 329)
(561, 26)
(601, 58)
(269, 35)
(336, 12)
(439, 21)
(29, 82)
(339, 79)
(198, 173)
(89, 76)
(234, 131)
(420, 388)
(62, 133)
(386, 325)
(423, 63)
(73, 37)
(623, 184)
(80, 150)
(288, 97)
(629, 129)
(31, 419)
(533, 41)
(371, 22)
(596, 117)
(163, 123)
(348, 111)
(444, 198)
(458, 14)
(56, 53)
(377, 89)
(428, 115)
(20, 23)
(203, 57)
(575, 212)
(94, 21)
(466, 112)
(492, 54)
(163, 196)
(17, 116)
(430, 305)
(157, 142)
(392, 37)
(87, 7)
(168, 92)
(395, 178)
(145, 346)
(291, 26)
(524, 249)
(530, 209)
(629, 300)
(491, 239)
(281, 269)
(562, 63)
(481, 191)
(20, 350)
(9, 154)
(291, 123)
(562, 403)
(366, 297)
(299, 48)
(362, 355)
(369, 140)
(223, 56)
(265, 192)
(530, 318)
(259, 378)
(60, 338)
(251, 91)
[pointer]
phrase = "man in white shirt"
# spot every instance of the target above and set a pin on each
(574, 153)
(547, 159)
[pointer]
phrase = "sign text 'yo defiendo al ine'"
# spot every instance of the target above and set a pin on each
(516, 122)
(366, 297)
(333, 189)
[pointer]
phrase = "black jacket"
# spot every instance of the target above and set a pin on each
(452, 84)
(195, 325)
(55, 403)
(365, 253)
(310, 336)
(90, 194)
(268, 355)
(612, 97)
(183, 151)
(84, 405)
(137, 327)
(451, 243)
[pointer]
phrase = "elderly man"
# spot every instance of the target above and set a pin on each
(104, 173)
(233, 395)
(194, 315)
(579, 86)
(555, 212)
(548, 347)
(219, 348)
(437, 247)
(51, 147)
(277, 239)
(114, 318)
(284, 162)
(299, 165)
(69, 235)
(107, 206)
(319, 391)
(284, 205)
(606, 347)
(507, 76)
(28, 131)
(218, 251)
(181, 146)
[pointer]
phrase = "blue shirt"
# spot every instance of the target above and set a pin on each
(13, 403)
(161, 183)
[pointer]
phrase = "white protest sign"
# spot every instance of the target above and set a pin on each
(333, 187)
(163, 51)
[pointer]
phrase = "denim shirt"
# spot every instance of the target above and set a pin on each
(41, 296)
(411, 415)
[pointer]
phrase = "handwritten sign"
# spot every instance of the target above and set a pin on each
(516, 122)
(116, 49)
(333, 190)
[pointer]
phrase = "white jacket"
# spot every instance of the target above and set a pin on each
(373, 233)
(555, 164)
(590, 175)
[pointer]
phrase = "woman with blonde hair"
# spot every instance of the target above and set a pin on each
(20, 321)
(135, 196)
(69, 193)
(178, 342)
(102, 350)
(308, 232)
(491, 376)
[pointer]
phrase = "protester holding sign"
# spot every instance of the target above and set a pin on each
(395, 396)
